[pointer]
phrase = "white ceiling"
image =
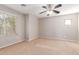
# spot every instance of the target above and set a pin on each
(35, 9)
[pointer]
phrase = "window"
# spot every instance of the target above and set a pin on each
(67, 22)
(7, 24)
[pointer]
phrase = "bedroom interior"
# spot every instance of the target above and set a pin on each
(36, 29)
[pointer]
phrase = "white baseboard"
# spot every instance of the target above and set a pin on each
(56, 38)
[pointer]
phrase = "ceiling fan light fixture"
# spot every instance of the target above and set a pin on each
(49, 12)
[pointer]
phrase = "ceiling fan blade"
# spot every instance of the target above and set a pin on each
(44, 7)
(42, 12)
(59, 5)
(56, 11)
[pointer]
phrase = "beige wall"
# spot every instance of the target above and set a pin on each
(78, 28)
(27, 26)
(31, 27)
(55, 27)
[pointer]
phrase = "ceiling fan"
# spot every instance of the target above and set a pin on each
(49, 9)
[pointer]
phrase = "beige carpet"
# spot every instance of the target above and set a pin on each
(42, 46)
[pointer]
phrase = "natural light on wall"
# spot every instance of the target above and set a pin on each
(7, 24)
(68, 22)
